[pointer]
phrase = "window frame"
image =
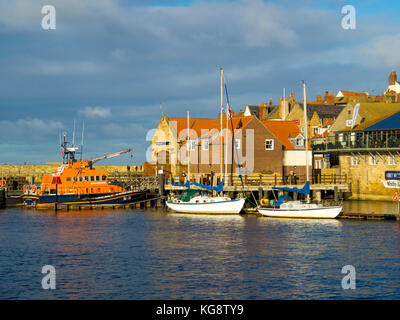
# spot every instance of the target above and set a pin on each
(191, 145)
(237, 144)
(392, 160)
(205, 142)
(272, 144)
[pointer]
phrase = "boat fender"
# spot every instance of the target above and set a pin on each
(264, 202)
(33, 188)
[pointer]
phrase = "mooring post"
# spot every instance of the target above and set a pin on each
(260, 194)
(55, 203)
(336, 194)
(398, 211)
(161, 184)
(2, 198)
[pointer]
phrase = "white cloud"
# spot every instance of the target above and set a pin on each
(384, 49)
(27, 130)
(95, 112)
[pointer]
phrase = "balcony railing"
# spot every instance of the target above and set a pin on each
(353, 141)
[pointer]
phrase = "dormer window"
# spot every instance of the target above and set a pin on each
(299, 142)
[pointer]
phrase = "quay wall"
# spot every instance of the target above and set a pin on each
(39, 170)
(365, 179)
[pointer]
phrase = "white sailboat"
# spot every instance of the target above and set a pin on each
(198, 201)
(287, 208)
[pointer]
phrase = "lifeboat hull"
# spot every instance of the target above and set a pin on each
(102, 199)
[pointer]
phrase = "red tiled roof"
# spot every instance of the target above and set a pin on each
(283, 130)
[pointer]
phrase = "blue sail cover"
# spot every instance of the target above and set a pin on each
(218, 188)
(187, 185)
(304, 190)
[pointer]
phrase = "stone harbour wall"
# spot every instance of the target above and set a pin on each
(366, 178)
(39, 170)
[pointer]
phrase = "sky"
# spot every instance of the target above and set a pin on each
(118, 65)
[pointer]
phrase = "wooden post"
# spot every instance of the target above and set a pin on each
(2, 198)
(336, 194)
(260, 194)
(398, 211)
(55, 203)
(161, 184)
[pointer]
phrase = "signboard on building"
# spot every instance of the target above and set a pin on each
(162, 143)
(392, 175)
(391, 183)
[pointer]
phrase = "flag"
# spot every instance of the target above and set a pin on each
(355, 113)
(229, 112)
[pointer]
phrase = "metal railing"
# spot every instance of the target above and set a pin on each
(360, 141)
(275, 179)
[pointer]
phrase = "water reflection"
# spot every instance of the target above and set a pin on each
(153, 254)
(370, 206)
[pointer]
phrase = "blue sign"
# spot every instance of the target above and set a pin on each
(392, 175)
(162, 143)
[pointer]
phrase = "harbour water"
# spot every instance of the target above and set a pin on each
(153, 254)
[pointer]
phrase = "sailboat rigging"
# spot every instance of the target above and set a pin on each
(284, 207)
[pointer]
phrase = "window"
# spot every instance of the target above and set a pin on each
(237, 144)
(191, 145)
(205, 144)
(104, 178)
(91, 178)
(86, 178)
(355, 161)
(373, 160)
(299, 142)
(81, 178)
(392, 161)
(68, 178)
(97, 178)
(269, 144)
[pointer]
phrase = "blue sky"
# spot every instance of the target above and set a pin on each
(111, 63)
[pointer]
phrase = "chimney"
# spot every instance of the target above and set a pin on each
(392, 78)
(283, 108)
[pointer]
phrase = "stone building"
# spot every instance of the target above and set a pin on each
(367, 152)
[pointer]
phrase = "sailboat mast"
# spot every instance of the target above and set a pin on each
(305, 128)
(222, 98)
(226, 147)
(188, 147)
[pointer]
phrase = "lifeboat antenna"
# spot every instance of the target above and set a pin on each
(73, 136)
(83, 130)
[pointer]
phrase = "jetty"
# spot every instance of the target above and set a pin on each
(324, 188)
